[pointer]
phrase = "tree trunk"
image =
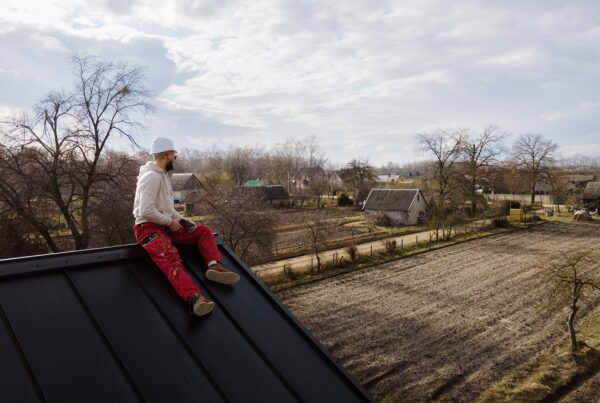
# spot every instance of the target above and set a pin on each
(473, 194)
(571, 328)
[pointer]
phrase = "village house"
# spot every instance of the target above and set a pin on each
(401, 206)
(307, 177)
(388, 178)
(576, 183)
(273, 195)
(185, 185)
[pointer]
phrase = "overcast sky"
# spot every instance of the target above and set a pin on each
(362, 76)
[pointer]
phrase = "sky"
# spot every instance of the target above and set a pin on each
(363, 77)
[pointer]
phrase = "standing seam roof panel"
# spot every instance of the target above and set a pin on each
(105, 325)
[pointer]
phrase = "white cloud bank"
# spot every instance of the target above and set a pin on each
(362, 76)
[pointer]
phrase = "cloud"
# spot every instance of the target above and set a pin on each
(361, 75)
(519, 58)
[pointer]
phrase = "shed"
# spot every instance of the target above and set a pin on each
(401, 206)
(274, 195)
(184, 185)
(591, 195)
(104, 325)
(578, 182)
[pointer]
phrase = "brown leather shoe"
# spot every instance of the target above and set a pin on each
(219, 274)
(200, 305)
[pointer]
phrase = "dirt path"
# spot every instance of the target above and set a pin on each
(446, 324)
(306, 262)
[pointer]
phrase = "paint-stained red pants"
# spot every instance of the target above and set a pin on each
(159, 245)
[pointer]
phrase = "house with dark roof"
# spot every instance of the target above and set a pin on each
(273, 195)
(576, 183)
(591, 195)
(401, 206)
(104, 325)
(185, 185)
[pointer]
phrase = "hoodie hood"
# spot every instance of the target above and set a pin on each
(150, 166)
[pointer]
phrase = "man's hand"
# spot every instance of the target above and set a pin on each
(175, 226)
(188, 225)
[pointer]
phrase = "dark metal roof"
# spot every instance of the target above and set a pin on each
(105, 325)
(591, 191)
(185, 181)
(266, 193)
(391, 199)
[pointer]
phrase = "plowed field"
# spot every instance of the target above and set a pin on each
(447, 324)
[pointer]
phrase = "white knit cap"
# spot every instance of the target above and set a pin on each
(161, 145)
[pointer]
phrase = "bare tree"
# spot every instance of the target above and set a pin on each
(14, 237)
(570, 278)
(53, 159)
(319, 233)
(112, 201)
(237, 215)
(357, 173)
(314, 155)
(239, 165)
(535, 156)
(481, 151)
(445, 147)
(317, 187)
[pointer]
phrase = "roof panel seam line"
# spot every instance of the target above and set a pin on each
(245, 335)
(21, 353)
(177, 333)
(103, 336)
(290, 317)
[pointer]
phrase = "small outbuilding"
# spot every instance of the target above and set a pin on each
(184, 185)
(400, 206)
(273, 195)
(591, 195)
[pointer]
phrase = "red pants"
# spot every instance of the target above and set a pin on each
(159, 245)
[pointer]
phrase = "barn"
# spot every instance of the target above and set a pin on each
(273, 195)
(400, 206)
(184, 185)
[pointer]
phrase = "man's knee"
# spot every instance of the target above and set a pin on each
(203, 231)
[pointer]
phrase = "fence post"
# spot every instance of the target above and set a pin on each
(417, 240)
(401, 243)
(371, 249)
(311, 263)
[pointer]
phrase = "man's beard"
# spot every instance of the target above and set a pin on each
(169, 166)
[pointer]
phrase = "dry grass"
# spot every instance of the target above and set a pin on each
(555, 371)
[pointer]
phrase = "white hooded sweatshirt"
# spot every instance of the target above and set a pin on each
(154, 196)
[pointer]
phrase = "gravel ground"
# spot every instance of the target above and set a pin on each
(447, 324)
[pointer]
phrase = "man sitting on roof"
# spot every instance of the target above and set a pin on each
(158, 226)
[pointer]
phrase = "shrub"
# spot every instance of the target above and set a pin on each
(500, 222)
(390, 246)
(382, 219)
(344, 200)
(352, 251)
